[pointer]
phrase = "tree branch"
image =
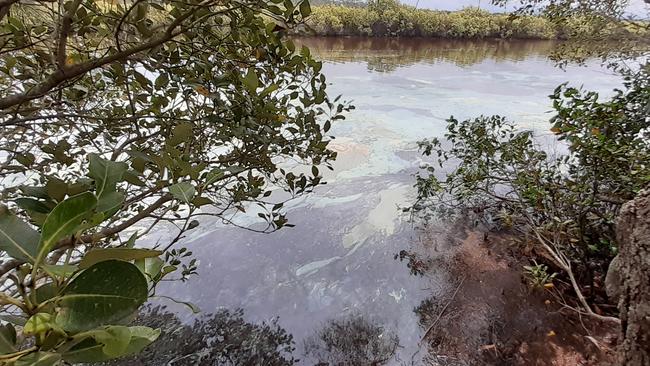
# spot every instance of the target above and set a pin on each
(5, 5)
(91, 238)
(106, 232)
(71, 72)
(64, 31)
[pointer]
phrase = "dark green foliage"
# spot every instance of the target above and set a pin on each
(389, 18)
(501, 177)
(117, 115)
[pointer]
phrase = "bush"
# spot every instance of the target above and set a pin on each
(566, 204)
(182, 113)
(389, 18)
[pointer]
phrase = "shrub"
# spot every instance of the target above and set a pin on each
(566, 204)
(389, 18)
(181, 113)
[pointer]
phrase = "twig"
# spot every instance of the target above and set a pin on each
(562, 261)
(426, 334)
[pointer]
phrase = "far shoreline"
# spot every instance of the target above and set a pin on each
(392, 20)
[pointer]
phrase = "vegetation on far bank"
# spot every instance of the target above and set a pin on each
(389, 18)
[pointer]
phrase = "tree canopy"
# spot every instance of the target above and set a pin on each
(119, 116)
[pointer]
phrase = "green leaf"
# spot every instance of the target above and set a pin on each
(201, 201)
(104, 293)
(250, 80)
(31, 204)
(213, 176)
(46, 292)
(270, 89)
(305, 8)
(62, 270)
(131, 176)
(161, 81)
(131, 242)
(26, 159)
(52, 339)
(17, 238)
(92, 351)
(87, 351)
(140, 338)
(80, 186)
(167, 270)
(56, 188)
(7, 339)
(115, 340)
(151, 267)
(64, 220)
(183, 191)
(106, 174)
(40, 323)
(181, 133)
(38, 192)
(110, 202)
(39, 359)
(126, 254)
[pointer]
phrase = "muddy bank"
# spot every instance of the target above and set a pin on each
(490, 315)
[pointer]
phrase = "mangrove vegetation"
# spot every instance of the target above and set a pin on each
(389, 18)
(127, 126)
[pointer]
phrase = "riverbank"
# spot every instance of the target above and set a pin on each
(395, 20)
(490, 315)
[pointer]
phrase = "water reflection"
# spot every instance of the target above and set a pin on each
(222, 338)
(338, 260)
(226, 338)
(388, 54)
(352, 341)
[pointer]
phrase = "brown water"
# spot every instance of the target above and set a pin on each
(339, 261)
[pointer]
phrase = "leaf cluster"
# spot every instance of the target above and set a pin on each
(500, 175)
(140, 114)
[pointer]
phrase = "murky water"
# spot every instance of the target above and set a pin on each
(339, 259)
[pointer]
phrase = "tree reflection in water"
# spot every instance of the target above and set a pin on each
(388, 54)
(225, 338)
(221, 338)
(352, 341)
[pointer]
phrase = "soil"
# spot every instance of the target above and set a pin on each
(492, 315)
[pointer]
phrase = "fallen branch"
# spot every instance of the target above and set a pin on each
(562, 262)
(432, 326)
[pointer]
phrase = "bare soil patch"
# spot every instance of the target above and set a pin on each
(491, 316)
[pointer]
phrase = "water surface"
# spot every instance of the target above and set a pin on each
(339, 261)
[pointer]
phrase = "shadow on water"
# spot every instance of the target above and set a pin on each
(220, 338)
(389, 54)
(352, 340)
(225, 338)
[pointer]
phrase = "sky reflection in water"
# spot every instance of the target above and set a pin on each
(339, 259)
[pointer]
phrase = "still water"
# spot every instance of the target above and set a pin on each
(338, 261)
